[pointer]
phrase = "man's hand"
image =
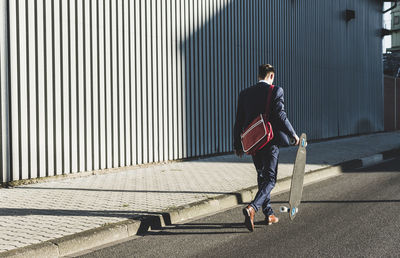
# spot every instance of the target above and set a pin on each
(296, 140)
(239, 153)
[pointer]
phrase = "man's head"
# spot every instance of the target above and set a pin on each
(266, 72)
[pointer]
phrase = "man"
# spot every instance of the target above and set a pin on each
(252, 102)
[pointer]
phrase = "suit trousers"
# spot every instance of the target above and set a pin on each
(266, 163)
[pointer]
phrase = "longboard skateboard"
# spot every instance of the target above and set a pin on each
(296, 187)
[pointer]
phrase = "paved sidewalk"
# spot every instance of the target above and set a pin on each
(38, 212)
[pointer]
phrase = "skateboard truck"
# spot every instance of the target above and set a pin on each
(303, 142)
(285, 209)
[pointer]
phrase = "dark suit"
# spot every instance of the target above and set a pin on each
(252, 102)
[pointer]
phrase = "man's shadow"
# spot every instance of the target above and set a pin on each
(161, 225)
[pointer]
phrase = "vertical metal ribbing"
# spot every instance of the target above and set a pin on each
(213, 73)
(200, 85)
(162, 82)
(95, 107)
(205, 83)
(159, 85)
(80, 84)
(4, 93)
(185, 77)
(233, 73)
(208, 82)
(31, 90)
(212, 76)
(2, 99)
(66, 86)
(199, 79)
(137, 83)
(102, 83)
(132, 77)
(236, 60)
(207, 79)
(23, 90)
(13, 94)
(73, 107)
(168, 81)
(216, 66)
(116, 89)
(154, 88)
(127, 83)
(180, 77)
(195, 85)
(189, 79)
(109, 149)
(211, 81)
(248, 46)
(58, 99)
(224, 73)
(190, 84)
(227, 81)
(220, 71)
(174, 81)
(121, 85)
(219, 75)
(115, 133)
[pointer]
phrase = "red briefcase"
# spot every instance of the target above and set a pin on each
(259, 132)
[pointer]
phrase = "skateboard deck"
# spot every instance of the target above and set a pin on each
(296, 187)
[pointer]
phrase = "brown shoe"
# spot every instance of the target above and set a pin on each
(272, 219)
(249, 213)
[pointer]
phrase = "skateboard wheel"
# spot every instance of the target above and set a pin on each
(294, 211)
(284, 209)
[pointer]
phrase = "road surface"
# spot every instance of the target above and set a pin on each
(352, 215)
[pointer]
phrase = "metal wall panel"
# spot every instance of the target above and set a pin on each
(99, 84)
(4, 94)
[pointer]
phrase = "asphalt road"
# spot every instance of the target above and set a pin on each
(352, 215)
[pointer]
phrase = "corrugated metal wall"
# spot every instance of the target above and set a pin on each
(99, 84)
(4, 92)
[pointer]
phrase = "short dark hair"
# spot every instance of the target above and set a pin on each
(265, 69)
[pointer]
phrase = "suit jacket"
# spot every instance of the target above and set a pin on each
(252, 102)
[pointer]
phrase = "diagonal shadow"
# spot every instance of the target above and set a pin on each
(167, 233)
(202, 229)
(125, 191)
(82, 213)
(205, 226)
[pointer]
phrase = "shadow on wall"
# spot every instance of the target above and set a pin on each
(364, 126)
(221, 53)
(310, 47)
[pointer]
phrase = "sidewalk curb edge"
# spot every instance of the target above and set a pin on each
(117, 231)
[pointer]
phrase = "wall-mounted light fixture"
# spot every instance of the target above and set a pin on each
(350, 14)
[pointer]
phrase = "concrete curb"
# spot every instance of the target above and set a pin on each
(117, 231)
(78, 242)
